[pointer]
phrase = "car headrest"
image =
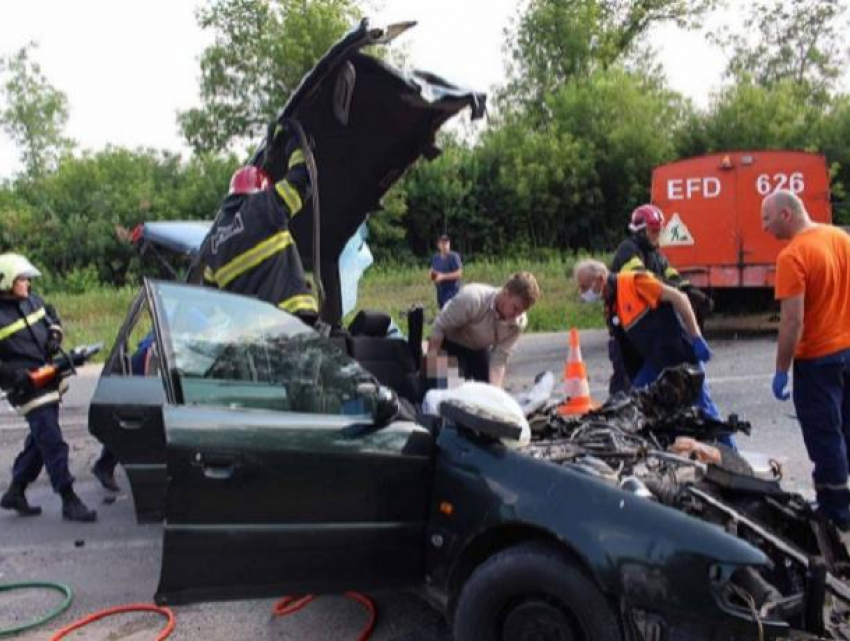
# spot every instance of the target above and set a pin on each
(368, 322)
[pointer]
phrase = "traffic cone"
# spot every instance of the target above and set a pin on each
(576, 387)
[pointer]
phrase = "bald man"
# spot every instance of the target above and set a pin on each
(813, 289)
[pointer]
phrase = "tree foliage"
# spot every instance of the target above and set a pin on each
(799, 41)
(69, 220)
(262, 49)
(34, 113)
(554, 41)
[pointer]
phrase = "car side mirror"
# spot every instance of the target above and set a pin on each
(384, 402)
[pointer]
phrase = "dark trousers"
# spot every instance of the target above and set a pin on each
(44, 447)
(472, 363)
(619, 381)
(822, 400)
(106, 461)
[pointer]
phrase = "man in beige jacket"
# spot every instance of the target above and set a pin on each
(481, 325)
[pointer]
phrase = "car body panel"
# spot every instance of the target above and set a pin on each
(261, 503)
(319, 498)
(125, 414)
(367, 122)
(642, 553)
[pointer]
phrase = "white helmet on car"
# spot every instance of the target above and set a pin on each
(12, 267)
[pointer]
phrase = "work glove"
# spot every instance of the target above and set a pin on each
(780, 386)
(701, 349)
(281, 141)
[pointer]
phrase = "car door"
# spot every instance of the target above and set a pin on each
(125, 413)
(279, 480)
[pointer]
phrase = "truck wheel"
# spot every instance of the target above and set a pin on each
(532, 592)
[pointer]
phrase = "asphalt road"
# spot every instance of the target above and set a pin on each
(115, 561)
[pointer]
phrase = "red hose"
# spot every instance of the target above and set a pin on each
(120, 609)
(289, 604)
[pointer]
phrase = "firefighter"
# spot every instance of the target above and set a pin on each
(662, 335)
(30, 334)
(640, 252)
(249, 249)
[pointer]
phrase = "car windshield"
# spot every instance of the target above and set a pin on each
(235, 351)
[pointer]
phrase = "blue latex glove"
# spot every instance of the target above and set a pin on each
(701, 349)
(780, 386)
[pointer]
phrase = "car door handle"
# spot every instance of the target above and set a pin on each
(216, 468)
(130, 420)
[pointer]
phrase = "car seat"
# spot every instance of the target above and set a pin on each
(394, 362)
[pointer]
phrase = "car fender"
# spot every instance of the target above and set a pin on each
(646, 553)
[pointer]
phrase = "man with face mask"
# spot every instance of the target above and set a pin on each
(481, 325)
(640, 251)
(649, 319)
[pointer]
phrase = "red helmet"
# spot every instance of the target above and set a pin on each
(248, 180)
(647, 216)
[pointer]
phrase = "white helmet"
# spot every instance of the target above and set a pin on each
(12, 267)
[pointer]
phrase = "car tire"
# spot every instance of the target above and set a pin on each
(531, 591)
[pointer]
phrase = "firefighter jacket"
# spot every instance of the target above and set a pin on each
(654, 335)
(251, 251)
(24, 346)
(636, 253)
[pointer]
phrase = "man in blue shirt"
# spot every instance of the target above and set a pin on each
(446, 270)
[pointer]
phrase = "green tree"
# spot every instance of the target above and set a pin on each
(34, 113)
(554, 41)
(261, 51)
(800, 41)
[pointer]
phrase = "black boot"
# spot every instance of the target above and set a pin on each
(106, 478)
(15, 499)
(74, 509)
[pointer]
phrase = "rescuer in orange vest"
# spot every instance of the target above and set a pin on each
(650, 319)
(639, 251)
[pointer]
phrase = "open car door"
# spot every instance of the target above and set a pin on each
(279, 479)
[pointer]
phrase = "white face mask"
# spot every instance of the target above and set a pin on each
(590, 296)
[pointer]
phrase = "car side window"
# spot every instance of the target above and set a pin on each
(234, 351)
(137, 352)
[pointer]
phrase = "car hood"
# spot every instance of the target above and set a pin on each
(366, 122)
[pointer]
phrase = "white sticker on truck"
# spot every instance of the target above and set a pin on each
(688, 188)
(767, 183)
(675, 233)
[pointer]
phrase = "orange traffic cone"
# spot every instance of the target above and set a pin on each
(576, 387)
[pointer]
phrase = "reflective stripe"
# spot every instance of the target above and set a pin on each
(209, 275)
(837, 487)
(251, 258)
(671, 273)
(634, 264)
(19, 324)
(290, 196)
(44, 399)
(297, 158)
(302, 302)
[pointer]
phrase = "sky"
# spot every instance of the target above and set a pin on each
(128, 66)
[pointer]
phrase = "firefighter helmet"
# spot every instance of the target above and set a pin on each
(647, 216)
(12, 267)
(248, 180)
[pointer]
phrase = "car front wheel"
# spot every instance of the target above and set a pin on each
(532, 592)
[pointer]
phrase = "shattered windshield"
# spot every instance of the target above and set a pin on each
(239, 352)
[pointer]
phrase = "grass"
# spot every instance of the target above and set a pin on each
(97, 315)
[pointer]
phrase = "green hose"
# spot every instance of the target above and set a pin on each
(59, 587)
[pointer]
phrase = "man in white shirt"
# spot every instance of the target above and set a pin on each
(481, 325)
